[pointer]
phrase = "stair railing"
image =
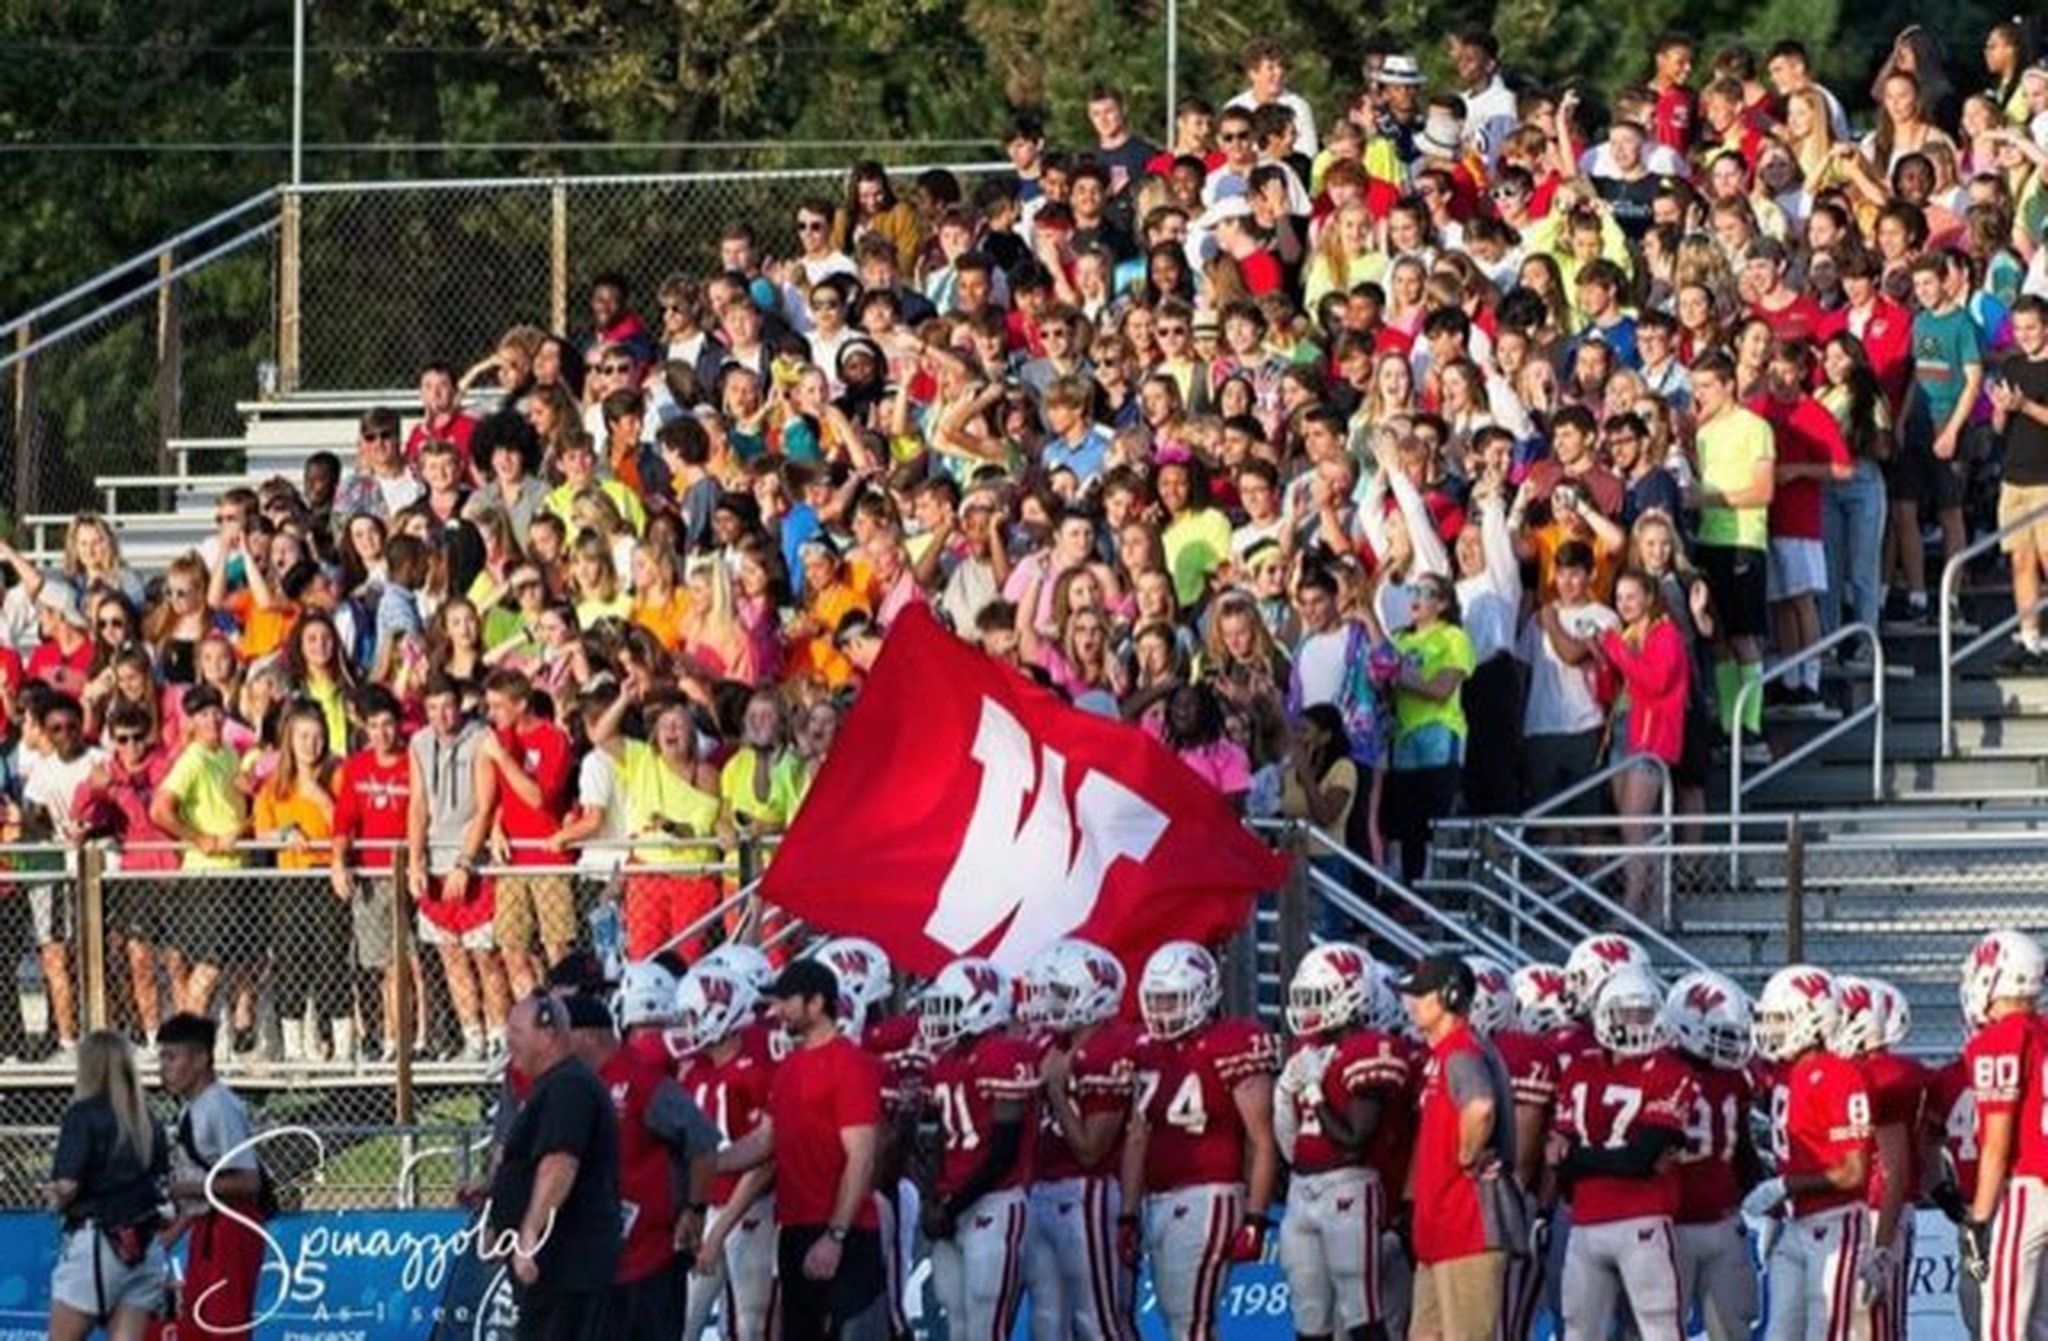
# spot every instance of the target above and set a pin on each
(1872, 712)
(1951, 574)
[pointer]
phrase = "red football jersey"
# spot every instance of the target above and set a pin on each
(1898, 1092)
(733, 1093)
(1361, 1063)
(2007, 1066)
(1393, 1141)
(895, 1044)
(1820, 1112)
(1570, 1041)
(1707, 1190)
(1952, 1111)
(1101, 1079)
(1186, 1090)
(1604, 1101)
(967, 1082)
(1531, 1061)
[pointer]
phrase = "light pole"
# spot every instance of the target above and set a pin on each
(1172, 67)
(298, 91)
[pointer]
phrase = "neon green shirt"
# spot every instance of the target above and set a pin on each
(1729, 448)
(203, 783)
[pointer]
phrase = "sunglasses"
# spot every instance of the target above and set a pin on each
(615, 368)
(379, 435)
(1232, 138)
(1165, 331)
(114, 623)
(129, 737)
(810, 225)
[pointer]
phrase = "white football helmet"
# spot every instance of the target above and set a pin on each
(1330, 990)
(1795, 1013)
(1859, 1017)
(1540, 1006)
(1493, 996)
(711, 1004)
(2005, 964)
(646, 995)
(1179, 989)
(1898, 1012)
(1083, 984)
(1590, 963)
(742, 961)
(969, 998)
(1710, 1018)
(862, 968)
(1628, 1014)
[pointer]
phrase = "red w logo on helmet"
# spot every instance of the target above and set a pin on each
(987, 982)
(1493, 980)
(1856, 997)
(717, 989)
(1613, 951)
(1704, 997)
(847, 962)
(1987, 954)
(1814, 986)
(1547, 982)
(1350, 963)
(1104, 973)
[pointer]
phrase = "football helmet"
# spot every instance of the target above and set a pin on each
(969, 998)
(1898, 1012)
(2004, 964)
(646, 995)
(1859, 1017)
(1329, 991)
(1539, 998)
(1709, 1017)
(1628, 1014)
(711, 1004)
(861, 966)
(1179, 989)
(1493, 996)
(1083, 984)
(742, 961)
(1590, 963)
(1795, 1013)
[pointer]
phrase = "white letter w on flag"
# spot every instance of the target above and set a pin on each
(1042, 869)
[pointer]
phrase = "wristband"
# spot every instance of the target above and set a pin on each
(837, 1233)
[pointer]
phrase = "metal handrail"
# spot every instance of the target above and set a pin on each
(136, 262)
(549, 183)
(1551, 804)
(1372, 919)
(1872, 711)
(1483, 941)
(1642, 929)
(1518, 917)
(1951, 573)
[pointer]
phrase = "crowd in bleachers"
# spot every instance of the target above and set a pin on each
(1424, 454)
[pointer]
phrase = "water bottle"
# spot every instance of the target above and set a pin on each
(266, 379)
(608, 937)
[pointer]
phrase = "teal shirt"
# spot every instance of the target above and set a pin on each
(1945, 344)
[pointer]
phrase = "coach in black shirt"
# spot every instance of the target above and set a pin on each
(558, 1182)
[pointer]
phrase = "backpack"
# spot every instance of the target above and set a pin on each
(266, 1190)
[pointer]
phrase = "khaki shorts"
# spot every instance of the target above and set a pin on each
(523, 901)
(2016, 501)
(370, 913)
(1459, 1300)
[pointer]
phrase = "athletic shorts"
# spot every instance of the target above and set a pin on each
(527, 901)
(219, 922)
(49, 910)
(369, 911)
(98, 1288)
(1735, 575)
(1916, 475)
(135, 909)
(1797, 568)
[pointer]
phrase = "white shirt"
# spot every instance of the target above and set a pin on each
(1491, 115)
(1561, 699)
(51, 783)
(598, 788)
(1659, 160)
(1320, 663)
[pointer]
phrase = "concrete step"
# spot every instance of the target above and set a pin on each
(1994, 695)
(1918, 740)
(1822, 786)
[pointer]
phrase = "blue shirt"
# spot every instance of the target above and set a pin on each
(1085, 458)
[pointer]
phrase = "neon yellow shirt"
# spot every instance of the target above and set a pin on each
(654, 792)
(1729, 448)
(203, 783)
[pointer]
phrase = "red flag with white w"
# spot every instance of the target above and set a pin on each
(965, 810)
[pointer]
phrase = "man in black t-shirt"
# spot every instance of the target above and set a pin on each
(2019, 413)
(557, 1184)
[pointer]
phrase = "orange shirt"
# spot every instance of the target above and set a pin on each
(665, 619)
(314, 821)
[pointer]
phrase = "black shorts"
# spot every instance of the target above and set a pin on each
(1738, 578)
(829, 1308)
(650, 1306)
(218, 922)
(1555, 763)
(135, 910)
(1916, 475)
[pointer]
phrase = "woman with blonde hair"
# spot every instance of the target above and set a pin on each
(174, 627)
(107, 1180)
(594, 577)
(1345, 256)
(92, 562)
(659, 601)
(712, 636)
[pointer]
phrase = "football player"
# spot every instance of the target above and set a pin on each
(1951, 1133)
(1622, 1112)
(1078, 1285)
(643, 1007)
(1200, 1156)
(983, 1090)
(1898, 1089)
(1820, 1130)
(726, 1067)
(1337, 1083)
(1711, 1028)
(1523, 1029)
(2004, 1235)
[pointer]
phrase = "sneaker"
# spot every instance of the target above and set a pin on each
(1819, 709)
(2024, 660)
(1901, 611)
(64, 1056)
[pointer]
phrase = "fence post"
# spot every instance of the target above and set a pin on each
(1795, 890)
(288, 310)
(558, 254)
(24, 425)
(1294, 905)
(92, 933)
(404, 1005)
(170, 372)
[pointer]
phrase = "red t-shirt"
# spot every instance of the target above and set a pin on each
(1707, 1189)
(1604, 1102)
(1449, 1222)
(2006, 1060)
(60, 670)
(1800, 319)
(458, 429)
(819, 1092)
(542, 749)
(1820, 1112)
(1100, 1079)
(1187, 1093)
(1672, 121)
(1261, 272)
(11, 678)
(647, 1206)
(968, 1082)
(1886, 330)
(1807, 435)
(370, 804)
(1952, 1112)
(732, 1093)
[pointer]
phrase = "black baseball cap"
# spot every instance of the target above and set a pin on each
(806, 978)
(581, 972)
(1437, 973)
(587, 1012)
